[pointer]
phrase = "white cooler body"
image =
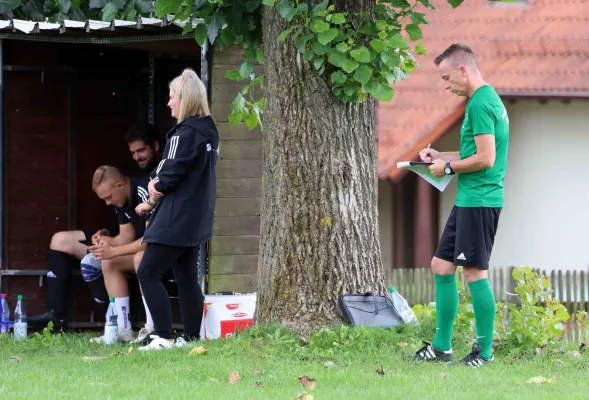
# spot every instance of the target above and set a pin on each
(226, 314)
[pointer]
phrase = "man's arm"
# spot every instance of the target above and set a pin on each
(130, 248)
(182, 150)
(484, 157)
(126, 235)
(450, 156)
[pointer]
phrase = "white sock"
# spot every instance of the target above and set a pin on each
(122, 304)
(148, 321)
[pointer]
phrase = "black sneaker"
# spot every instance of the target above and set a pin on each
(42, 320)
(474, 359)
(430, 353)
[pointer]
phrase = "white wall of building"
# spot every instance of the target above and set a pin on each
(545, 221)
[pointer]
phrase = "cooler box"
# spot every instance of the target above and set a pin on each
(225, 314)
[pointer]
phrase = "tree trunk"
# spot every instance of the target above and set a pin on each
(319, 228)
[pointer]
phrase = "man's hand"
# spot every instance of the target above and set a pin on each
(103, 251)
(96, 237)
(437, 168)
(143, 209)
(152, 192)
(429, 155)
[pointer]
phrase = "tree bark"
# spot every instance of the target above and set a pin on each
(319, 228)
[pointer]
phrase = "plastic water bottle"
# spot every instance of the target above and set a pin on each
(402, 307)
(111, 327)
(20, 319)
(5, 317)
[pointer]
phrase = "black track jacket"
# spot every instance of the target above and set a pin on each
(187, 177)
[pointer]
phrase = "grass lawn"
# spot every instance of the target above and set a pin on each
(54, 367)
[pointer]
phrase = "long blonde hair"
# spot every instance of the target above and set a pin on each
(191, 93)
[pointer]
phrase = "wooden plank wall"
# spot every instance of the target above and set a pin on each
(233, 262)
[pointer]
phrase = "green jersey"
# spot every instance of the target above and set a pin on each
(485, 114)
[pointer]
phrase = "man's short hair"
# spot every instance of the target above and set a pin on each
(145, 132)
(105, 173)
(458, 53)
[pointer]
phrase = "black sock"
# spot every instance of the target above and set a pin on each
(99, 292)
(60, 268)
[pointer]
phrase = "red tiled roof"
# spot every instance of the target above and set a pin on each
(539, 49)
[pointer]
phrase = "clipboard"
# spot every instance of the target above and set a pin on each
(421, 169)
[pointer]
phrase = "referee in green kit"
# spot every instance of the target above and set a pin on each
(468, 237)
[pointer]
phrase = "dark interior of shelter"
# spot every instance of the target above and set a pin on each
(66, 108)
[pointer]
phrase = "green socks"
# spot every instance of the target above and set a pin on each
(446, 309)
(484, 307)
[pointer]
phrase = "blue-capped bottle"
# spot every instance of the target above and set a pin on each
(402, 307)
(20, 319)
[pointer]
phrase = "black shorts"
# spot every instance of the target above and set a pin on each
(468, 237)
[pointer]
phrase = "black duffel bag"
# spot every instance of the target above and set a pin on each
(369, 310)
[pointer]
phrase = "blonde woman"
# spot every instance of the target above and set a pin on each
(182, 200)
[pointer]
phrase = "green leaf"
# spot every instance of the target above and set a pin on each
(319, 48)
(326, 37)
(284, 34)
(200, 34)
(251, 120)
(233, 74)
(286, 9)
(301, 42)
(350, 66)
(383, 92)
(119, 4)
(165, 7)
(517, 275)
(93, 4)
(251, 5)
(308, 56)
(318, 62)
(419, 18)
(65, 5)
(378, 45)
(369, 87)
(319, 7)
(421, 50)
(338, 19)
(338, 77)
(382, 35)
(109, 12)
(455, 3)
(414, 32)
(260, 55)
(389, 76)
(390, 58)
(428, 4)
(381, 24)
(303, 8)
(342, 47)
(400, 3)
(557, 329)
(246, 69)
(319, 26)
(214, 26)
(363, 74)
(398, 42)
(349, 89)
(361, 54)
(562, 314)
(336, 58)
(269, 3)
(144, 6)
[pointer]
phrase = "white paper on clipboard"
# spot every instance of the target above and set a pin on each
(421, 169)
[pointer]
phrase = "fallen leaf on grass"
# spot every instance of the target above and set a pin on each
(303, 396)
(259, 384)
(442, 375)
(574, 353)
(258, 372)
(557, 351)
(198, 350)
(309, 383)
(93, 358)
(213, 379)
(381, 371)
(541, 379)
(117, 353)
(233, 377)
(558, 363)
(130, 350)
(15, 359)
(329, 364)
(403, 345)
(539, 350)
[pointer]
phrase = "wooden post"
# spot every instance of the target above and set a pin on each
(424, 234)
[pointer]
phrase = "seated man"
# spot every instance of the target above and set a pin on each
(66, 251)
(114, 256)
